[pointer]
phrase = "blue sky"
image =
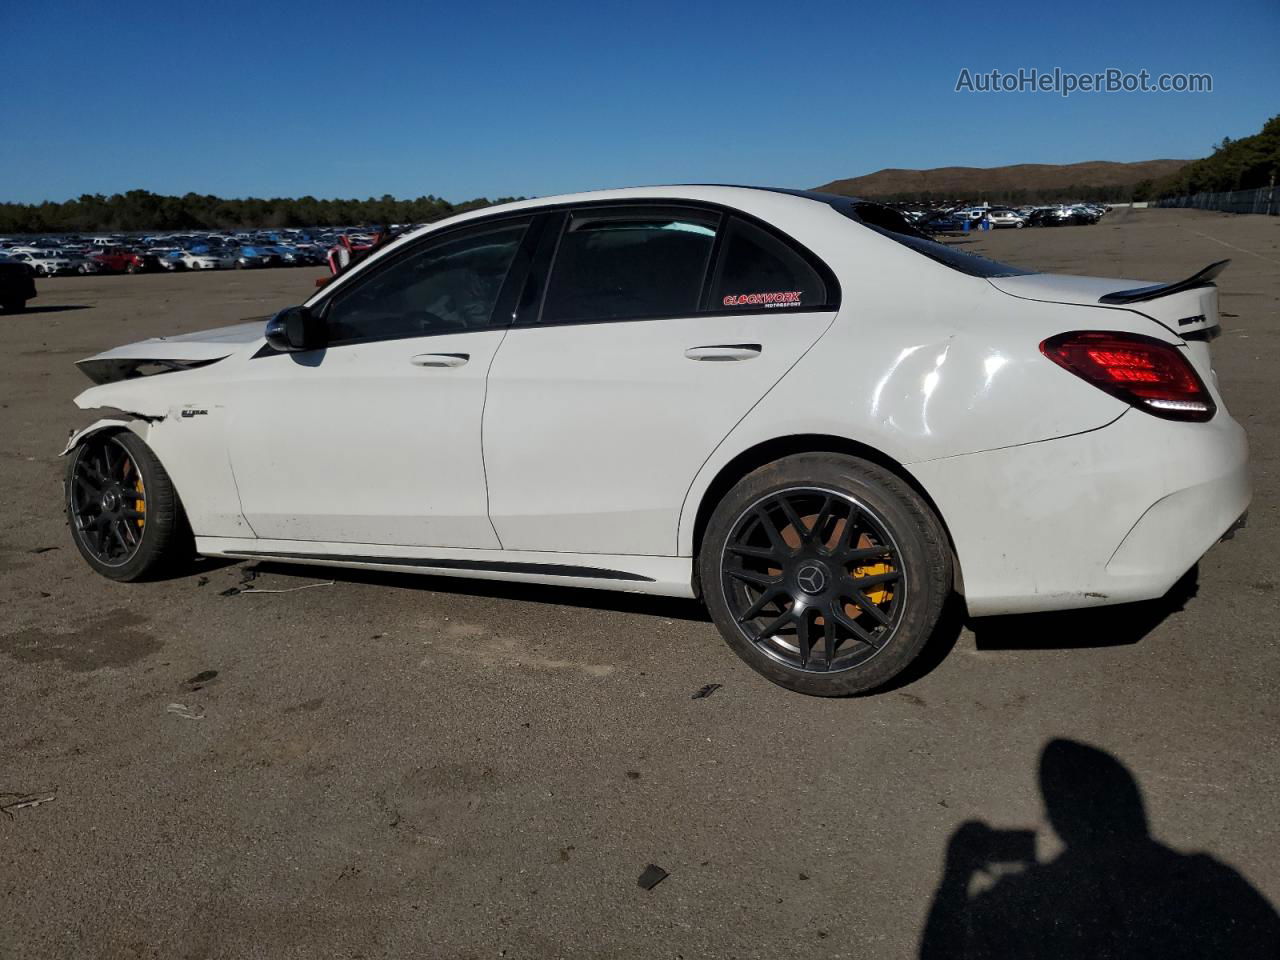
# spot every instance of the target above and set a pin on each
(476, 99)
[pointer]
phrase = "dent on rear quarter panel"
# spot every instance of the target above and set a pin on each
(923, 363)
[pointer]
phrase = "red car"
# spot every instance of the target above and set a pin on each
(124, 260)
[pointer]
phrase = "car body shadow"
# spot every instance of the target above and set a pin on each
(669, 608)
(52, 308)
(1113, 626)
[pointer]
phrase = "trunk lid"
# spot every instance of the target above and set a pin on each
(1189, 308)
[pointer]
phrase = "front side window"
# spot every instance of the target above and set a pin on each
(617, 263)
(449, 286)
(759, 270)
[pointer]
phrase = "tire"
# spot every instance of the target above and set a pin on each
(82, 270)
(14, 306)
(901, 557)
(131, 268)
(157, 541)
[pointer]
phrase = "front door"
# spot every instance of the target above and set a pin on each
(376, 438)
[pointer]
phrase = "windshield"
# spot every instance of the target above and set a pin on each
(890, 223)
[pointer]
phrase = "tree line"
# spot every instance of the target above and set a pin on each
(1234, 165)
(139, 210)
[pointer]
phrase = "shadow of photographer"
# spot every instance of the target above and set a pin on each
(1113, 892)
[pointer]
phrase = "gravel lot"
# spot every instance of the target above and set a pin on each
(397, 766)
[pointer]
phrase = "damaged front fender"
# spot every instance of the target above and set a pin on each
(140, 427)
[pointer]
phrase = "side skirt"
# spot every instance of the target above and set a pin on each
(662, 576)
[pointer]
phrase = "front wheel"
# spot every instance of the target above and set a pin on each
(825, 573)
(125, 516)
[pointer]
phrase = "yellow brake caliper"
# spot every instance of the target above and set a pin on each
(140, 505)
(881, 592)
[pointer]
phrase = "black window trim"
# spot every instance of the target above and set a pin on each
(529, 317)
(532, 266)
(448, 235)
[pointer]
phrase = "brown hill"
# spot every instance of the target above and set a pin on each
(1028, 179)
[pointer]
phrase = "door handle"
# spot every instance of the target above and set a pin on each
(724, 351)
(440, 359)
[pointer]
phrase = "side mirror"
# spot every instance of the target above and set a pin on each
(294, 329)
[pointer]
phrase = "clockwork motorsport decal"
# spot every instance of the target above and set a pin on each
(777, 298)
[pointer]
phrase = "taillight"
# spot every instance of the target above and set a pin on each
(1148, 373)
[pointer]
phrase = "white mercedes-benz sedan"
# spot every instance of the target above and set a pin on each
(792, 405)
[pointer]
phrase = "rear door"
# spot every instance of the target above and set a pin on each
(645, 333)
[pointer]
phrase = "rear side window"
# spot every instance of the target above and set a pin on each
(759, 270)
(621, 263)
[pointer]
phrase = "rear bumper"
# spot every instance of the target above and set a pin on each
(1110, 516)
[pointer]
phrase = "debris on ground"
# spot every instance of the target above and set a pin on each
(187, 713)
(229, 592)
(18, 801)
(652, 876)
(305, 586)
(199, 680)
(706, 691)
(202, 581)
(42, 549)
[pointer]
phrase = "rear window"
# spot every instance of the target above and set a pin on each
(890, 223)
(759, 270)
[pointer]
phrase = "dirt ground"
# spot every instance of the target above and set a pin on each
(394, 766)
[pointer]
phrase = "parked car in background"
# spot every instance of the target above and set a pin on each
(125, 260)
(1004, 217)
(168, 258)
(209, 259)
(1047, 217)
(250, 258)
(83, 263)
(293, 257)
(46, 264)
(17, 284)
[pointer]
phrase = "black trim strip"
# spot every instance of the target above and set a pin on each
(1207, 334)
(494, 566)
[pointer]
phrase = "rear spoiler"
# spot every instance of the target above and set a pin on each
(1202, 279)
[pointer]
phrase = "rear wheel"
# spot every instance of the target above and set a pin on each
(825, 573)
(125, 516)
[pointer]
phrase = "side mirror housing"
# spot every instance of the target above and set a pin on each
(295, 329)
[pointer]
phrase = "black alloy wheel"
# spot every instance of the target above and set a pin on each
(125, 517)
(813, 579)
(826, 573)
